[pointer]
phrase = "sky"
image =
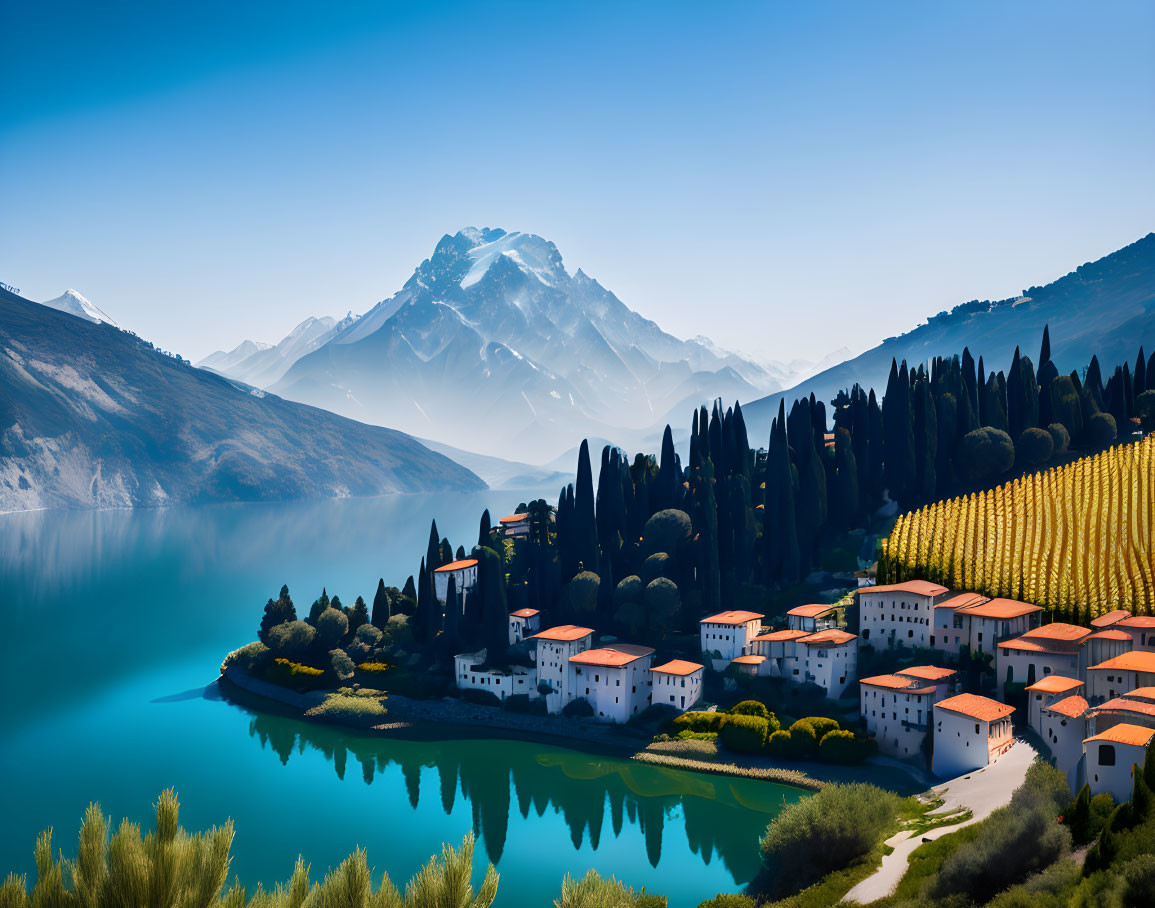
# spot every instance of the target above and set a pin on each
(785, 178)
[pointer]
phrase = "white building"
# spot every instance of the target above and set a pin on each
(1110, 755)
(970, 732)
(615, 680)
(829, 660)
(1141, 628)
(463, 572)
(750, 665)
(779, 652)
(517, 679)
(1050, 649)
(555, 646)
(728, 633)
(950, 630)
(1109, 619)
(1114, 677)
(515, 526)
(1064, 726)
(677, 683)
(897, 708)
(898, 612)
(989, 623)
(525, 622)
(1043, 693)
(811, 618)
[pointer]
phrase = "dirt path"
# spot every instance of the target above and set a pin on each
(981, 792)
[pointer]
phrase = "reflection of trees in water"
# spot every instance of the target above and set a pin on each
(721, 816)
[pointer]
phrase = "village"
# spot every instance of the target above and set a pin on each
(1089, 692)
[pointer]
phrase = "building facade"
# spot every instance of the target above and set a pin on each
(729, 633)
(970, 732)
(677, 683)
(615, 680)
(897, 708)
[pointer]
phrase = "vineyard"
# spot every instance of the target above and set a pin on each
(1077, 539)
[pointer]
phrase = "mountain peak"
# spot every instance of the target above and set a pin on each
(75, 303)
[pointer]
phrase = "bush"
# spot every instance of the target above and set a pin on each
(662, 601)
(348, 708)
(1034, 447)
(844, 747)
(521, 703)
(827, 831)
(667, 531)
(629, 591)
(581, 594)
(578, 709)
(331, 627)
(986, 453)
(373, 671)
(803, 741)
(1101, 430)
(729, 900)
(340, 665)
(369, 635)
(750, 708)
(780, 746)
(655, 566)
(745, 734)
(252, 657)
(481, 697)
(1060, 438)
(292, 639)
(711, 722)
(295, 676)
(821, 725)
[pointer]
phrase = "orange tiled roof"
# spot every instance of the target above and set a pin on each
(524, 613)
(917, 587)
(1027, 645)
(1126, 704)
(1111, 634)
(734, 617)
(1055, 684)
(565, 632)
(1134, 661)
(811, 611)
(750, 660)
(611, 656)
(981, 708)
(1124, 733)
(892, 682)
(1109, 618)
(1143, 693)
(1072, 707)
(514, 518)
(962, 600)
(927, 672)
(456, 565)
(831, 635)
(1137, 621)
(678, 667)
(1002, 608)
(778, 636)
(1057, 630)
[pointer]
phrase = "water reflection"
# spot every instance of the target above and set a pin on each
(722, 817)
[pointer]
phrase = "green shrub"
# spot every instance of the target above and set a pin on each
(667, 531)
(820, 724)
(657, 565)
(373, 669)
(986, 453)
(827, 831)
(1101, 429)
(332, 626)
(803, 740)
(369, 635)
(578, 709)
(1034, 447)
(687, 735)
(712, 722)
(729, 900)
(296, 676)
(348, 708)
(292, 639)
(745, 734)
(340, 665)
(843, 746)
(750, 708)
(252, 657)
(780, 746)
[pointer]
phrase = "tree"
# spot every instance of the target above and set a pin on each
(662, 601)
(780, 530)
(277, 611)
(668, 474)
(291, 640)
(382, 608)
(332, 626)
(898, 425)
(986, 453)
(846, 505)
(585, 524)
(1034, 447)
(357, 615)
(494, 611)
(484, 529)
(318, 607)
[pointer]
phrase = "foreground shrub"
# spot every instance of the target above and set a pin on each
(711, 722)
(780, 746)
(349, 709)
(295, 676)
(745, 734)
(291, 639)
(845, 747)
(254, 657)
(823, 833)
(985, 453)
(373, 669)
(1060, 438)
(340, 665)
(1101, 429)
(1087, 816)
(729, 900)
(750, 708)
(594, 891)
(1026, 829)
(1034, 447)
(804, 740)
(170, 868)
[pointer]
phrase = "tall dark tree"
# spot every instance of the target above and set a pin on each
(668, 478)
(382, 608)
(433, 549)
(484, 529)
(358, 614)
(705, 522)
(493, 608)
(845, 504)
(925, 439)
(780, 531)
(451, 631)
(1139, 376)
(898, 426)
(427, 619)
(319, 606)
(277, 611)
(585, 524)
(1045, 347)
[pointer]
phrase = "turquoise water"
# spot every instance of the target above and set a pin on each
(115, 623)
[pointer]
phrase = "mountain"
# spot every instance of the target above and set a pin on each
(493, 346)
(74, 304)
(91, 416)
(1104, 308)
(261, 364)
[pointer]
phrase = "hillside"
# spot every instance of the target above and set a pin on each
(91, 416)
(1104, 308)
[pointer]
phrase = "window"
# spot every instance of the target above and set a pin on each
(1106, 754)
(976, 728)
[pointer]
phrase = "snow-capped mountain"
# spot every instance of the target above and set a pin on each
(493, 346)
(74, 304)
(262, 364)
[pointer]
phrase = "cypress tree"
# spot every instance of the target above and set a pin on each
(705, 521)
(844, 503)
(446, 553)
(277, 612)
(1045, 347)
(433, 549)
(971, 383)
(381, 608)
(319, 605)
(451, 635)
(585, 525)
(357, 615)
(779, 533)
(742, 441)
(1139, 380)
(484, 529)
(872, 494)
(898, 426)
(1150, 371)
(667, 473)
(926, 440)
(494, 611)
(423, 616)
(981, 395)
(409, 591)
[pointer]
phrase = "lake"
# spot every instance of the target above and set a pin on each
(115, 623)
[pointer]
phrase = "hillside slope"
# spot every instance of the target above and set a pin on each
(1106, 307)
(91, 416)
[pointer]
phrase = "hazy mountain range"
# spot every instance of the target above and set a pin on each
(493, 346)
(1105, 307)
(92, 416)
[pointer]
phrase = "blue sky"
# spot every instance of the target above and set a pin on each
(784, 178)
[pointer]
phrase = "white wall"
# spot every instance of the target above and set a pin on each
(553, 668)
(896, 617)
(899, 720)
(962, 744)
(1020, 661)
(680, 691)
(832, 668)
(1114, 780)
(520, 680)
(728, 639)
(1064, 736)
(616, 694)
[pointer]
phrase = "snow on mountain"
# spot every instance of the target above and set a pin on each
(493, 346)
(263, 364)
(75, 304)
